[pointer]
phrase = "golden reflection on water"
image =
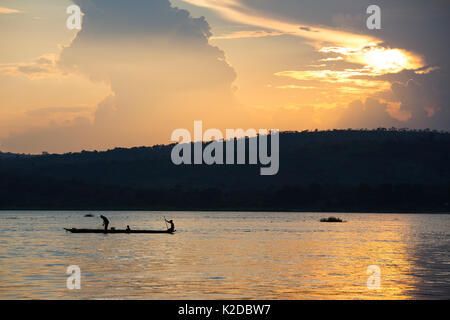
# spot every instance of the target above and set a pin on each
(220, 256)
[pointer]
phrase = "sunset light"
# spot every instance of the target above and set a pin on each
(224, 159)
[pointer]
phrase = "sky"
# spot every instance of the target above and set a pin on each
(140, 69)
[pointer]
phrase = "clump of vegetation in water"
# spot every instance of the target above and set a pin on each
(331, 219)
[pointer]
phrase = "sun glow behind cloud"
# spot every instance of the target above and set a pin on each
(361, 82)
(378, 60)
(337, 46)
(352, 47)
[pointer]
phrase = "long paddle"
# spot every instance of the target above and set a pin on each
(166, 222)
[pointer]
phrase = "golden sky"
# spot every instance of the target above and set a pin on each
(140, 69)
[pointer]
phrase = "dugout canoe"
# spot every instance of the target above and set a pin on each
(74, 230)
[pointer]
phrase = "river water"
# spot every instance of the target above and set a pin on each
(226, 255)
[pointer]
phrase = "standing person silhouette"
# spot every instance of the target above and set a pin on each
(172, 225)
(105, 222)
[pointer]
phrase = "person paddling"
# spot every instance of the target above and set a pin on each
(172, 225)
(105, 222)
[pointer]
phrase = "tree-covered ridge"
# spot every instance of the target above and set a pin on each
(338, 170)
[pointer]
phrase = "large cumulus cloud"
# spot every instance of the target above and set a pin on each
(162, 71)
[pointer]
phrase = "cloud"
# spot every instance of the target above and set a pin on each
(246, 34)
(332, 59)
(369, 52)
(42, 112)
(240, 12)
(30, 69)
(75, 134)
(426, 70)
(343, 80)
(4, 10)
(293, 86)
(420, 103)
(308, 29)
(161, 69)
(426, 106)
(370, 114)
(40, 66)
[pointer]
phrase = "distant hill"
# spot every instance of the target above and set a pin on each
(339, 170)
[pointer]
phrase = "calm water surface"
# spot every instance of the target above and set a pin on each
(225, 255)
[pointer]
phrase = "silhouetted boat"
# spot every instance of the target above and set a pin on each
(331, 219)
(74, 230)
